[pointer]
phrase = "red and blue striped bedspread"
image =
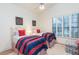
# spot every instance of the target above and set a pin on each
(49, 36)
(31, 45)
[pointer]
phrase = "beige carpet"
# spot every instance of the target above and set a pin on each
(57, 49)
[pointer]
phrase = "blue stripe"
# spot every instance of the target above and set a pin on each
(23, 41)
(34, 44)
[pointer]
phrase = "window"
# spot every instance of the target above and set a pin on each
(75, 26)
(66, 26)
(59, 26)
(54, 25)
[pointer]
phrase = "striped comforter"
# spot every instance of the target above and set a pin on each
(31, 45)
(49, 36)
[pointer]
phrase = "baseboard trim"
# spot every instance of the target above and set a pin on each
(6, 52)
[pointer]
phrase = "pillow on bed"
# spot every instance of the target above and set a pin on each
(21, 32)
(38, 30)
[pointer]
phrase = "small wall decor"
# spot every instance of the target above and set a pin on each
(19, 21)
(33, 22)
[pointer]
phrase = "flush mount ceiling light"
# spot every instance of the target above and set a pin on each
(42, 6)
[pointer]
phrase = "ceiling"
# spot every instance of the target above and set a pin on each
(34, 7)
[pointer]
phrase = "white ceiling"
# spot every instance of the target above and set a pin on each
(34, 7)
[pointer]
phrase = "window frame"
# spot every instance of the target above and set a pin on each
(62, 26)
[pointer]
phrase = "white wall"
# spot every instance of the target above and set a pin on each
(57, 10)
(7, 20)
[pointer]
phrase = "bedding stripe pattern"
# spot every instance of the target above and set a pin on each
(31, 45)
(49, 36)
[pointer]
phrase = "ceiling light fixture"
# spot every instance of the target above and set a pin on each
(42, 6)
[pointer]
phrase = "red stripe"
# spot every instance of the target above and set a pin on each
(32, 41)
(36, 47)
(19, 52)
(48, 35)
(19, 41)
(24, 44)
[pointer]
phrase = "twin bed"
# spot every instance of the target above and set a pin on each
(35, 44)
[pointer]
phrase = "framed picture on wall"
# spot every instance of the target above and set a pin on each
(19, 21)
(33, 22)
